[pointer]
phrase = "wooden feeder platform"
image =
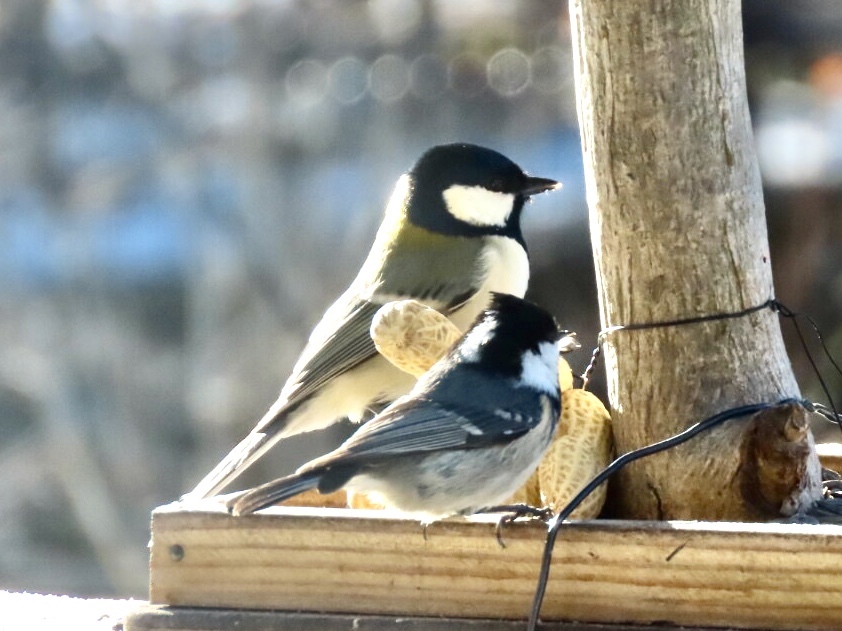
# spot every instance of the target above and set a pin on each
(300, 568)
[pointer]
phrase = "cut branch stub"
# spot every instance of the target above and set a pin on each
(776, 469)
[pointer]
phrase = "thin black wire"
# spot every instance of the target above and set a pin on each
(827, 413)
(620, 462)
(639, 326)
(786, 312)
(704, 425)
(819, 336)
(711, 317)
(586, 376)
(773, 304)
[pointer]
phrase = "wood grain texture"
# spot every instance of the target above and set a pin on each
(678, 230)
(830, 455)
(769, 576)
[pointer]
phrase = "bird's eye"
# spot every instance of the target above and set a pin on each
(497, 185)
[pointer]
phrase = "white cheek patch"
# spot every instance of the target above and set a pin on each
(478, 206)
(540, 370)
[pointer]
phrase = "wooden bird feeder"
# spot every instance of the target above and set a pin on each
(665, 141)
(323, 568)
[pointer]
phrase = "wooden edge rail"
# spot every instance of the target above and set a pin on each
(770, 576)
(830, 455)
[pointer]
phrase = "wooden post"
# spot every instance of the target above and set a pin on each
(678, 229)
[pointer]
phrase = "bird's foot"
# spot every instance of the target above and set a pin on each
(513, 512)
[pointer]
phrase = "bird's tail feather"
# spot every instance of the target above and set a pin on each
(271, 428)
(274, 492)
(238, 460)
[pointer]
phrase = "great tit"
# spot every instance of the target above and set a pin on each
(449, 237)
(465, 438)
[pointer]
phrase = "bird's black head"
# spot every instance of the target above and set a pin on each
(467, 190)
(507, 329)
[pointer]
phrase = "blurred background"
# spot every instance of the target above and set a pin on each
(185, 185)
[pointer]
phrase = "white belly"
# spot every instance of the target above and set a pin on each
(507, 272)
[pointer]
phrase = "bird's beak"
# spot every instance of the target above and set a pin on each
(535, 185)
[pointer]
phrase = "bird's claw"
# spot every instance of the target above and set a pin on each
(513, 512)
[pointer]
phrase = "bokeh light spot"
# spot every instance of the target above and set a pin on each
(388, 78)
(348, 80)
(508, 72)
(306, 82)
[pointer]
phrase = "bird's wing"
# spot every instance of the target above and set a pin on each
(419, 264)
(416, 425)
(339, 342)
(342, 340)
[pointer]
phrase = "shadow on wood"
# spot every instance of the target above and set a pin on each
(153, 618)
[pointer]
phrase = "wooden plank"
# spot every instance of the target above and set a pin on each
(775, 576)
(156, 618)
(830, 455)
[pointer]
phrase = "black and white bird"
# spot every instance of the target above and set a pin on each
(465, 438)
(450, 236)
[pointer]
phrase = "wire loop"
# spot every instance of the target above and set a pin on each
(831, 413)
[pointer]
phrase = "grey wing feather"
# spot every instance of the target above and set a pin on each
(333, 353)
(418, 425)
(339, 342)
